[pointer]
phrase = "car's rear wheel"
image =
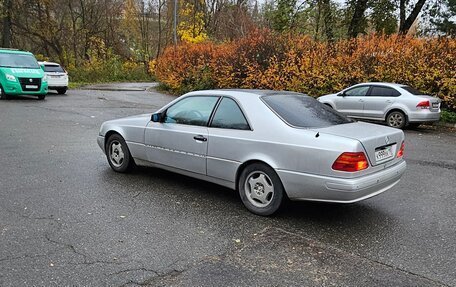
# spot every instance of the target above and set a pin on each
(396, 119)
(3, 95)
(260, 189)
(61, 91)
(118, 154)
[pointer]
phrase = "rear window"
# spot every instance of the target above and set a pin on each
(53, 68)
(413, 91)
(303, 111)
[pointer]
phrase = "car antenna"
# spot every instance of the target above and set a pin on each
(317, 135)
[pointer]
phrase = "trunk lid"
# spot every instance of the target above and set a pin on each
(381, 143)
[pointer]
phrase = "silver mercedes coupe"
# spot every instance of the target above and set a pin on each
(268, 145)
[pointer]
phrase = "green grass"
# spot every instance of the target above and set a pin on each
(448, 116)
(77, 85)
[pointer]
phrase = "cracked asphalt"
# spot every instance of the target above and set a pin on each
(66, 219)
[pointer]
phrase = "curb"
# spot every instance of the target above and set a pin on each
(113, 89)
(448, 125)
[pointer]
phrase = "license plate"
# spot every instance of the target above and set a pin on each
(435, 105)
(31, 86)
(383, 153)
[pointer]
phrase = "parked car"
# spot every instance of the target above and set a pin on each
(57, 77)
(266, 144)
(20, 74)
(397, 105)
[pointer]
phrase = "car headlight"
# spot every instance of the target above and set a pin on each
(10, 77)
(45, 78)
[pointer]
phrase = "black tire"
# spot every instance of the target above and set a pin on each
(260, 200)
(413, 125)
(41, 97)
(118, 154)
(396, 119)
(3, 96)
(61, 91)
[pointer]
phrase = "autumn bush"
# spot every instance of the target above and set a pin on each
(298, 63)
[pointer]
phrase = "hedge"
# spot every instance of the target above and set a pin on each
(267, 60)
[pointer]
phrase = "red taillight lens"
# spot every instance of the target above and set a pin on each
(424, 105)
(400, 152)
(351, 161)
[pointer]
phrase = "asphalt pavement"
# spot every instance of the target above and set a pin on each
(66, 219)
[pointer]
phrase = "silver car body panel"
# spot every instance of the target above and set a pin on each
(302, 158)
(378, 107)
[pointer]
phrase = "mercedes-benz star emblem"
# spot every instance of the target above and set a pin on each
(30, 80)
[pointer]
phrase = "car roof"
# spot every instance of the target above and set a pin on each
(14, 51)
(48, 63)
(242, 93)
(392, 85)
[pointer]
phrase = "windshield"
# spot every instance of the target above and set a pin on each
(302, 111)
(413, 91)
(53, 68)
(10, 60)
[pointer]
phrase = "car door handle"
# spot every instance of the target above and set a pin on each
(389, 101)
(361, 100)
(200, 138)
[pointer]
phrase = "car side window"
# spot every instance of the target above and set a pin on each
(229, 116)
(195, 110)
(383, 92)
(357, 92)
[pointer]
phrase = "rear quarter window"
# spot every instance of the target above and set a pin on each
(302, 111)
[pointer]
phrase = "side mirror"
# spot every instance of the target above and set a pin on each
(341, 94)
(157, 117)
(42, 67)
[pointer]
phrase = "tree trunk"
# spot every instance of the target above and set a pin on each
(358, 16)
(328, 20)
(7, 24)
(406, 24)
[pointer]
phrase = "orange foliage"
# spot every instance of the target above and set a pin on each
(285, 62)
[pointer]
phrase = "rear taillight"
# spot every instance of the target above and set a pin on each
(400, 152)
(351, 161)
(424, 105)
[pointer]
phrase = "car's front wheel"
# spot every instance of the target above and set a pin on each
(41, 97)
(3, 95)
(260, 189)
(396, 119)
(118, 154)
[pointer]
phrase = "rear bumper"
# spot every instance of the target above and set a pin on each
(423, 116)
(301, 186)
(57, 83)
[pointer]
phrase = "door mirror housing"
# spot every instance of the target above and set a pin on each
(157, 117)
(42, 67)
(341, 94)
